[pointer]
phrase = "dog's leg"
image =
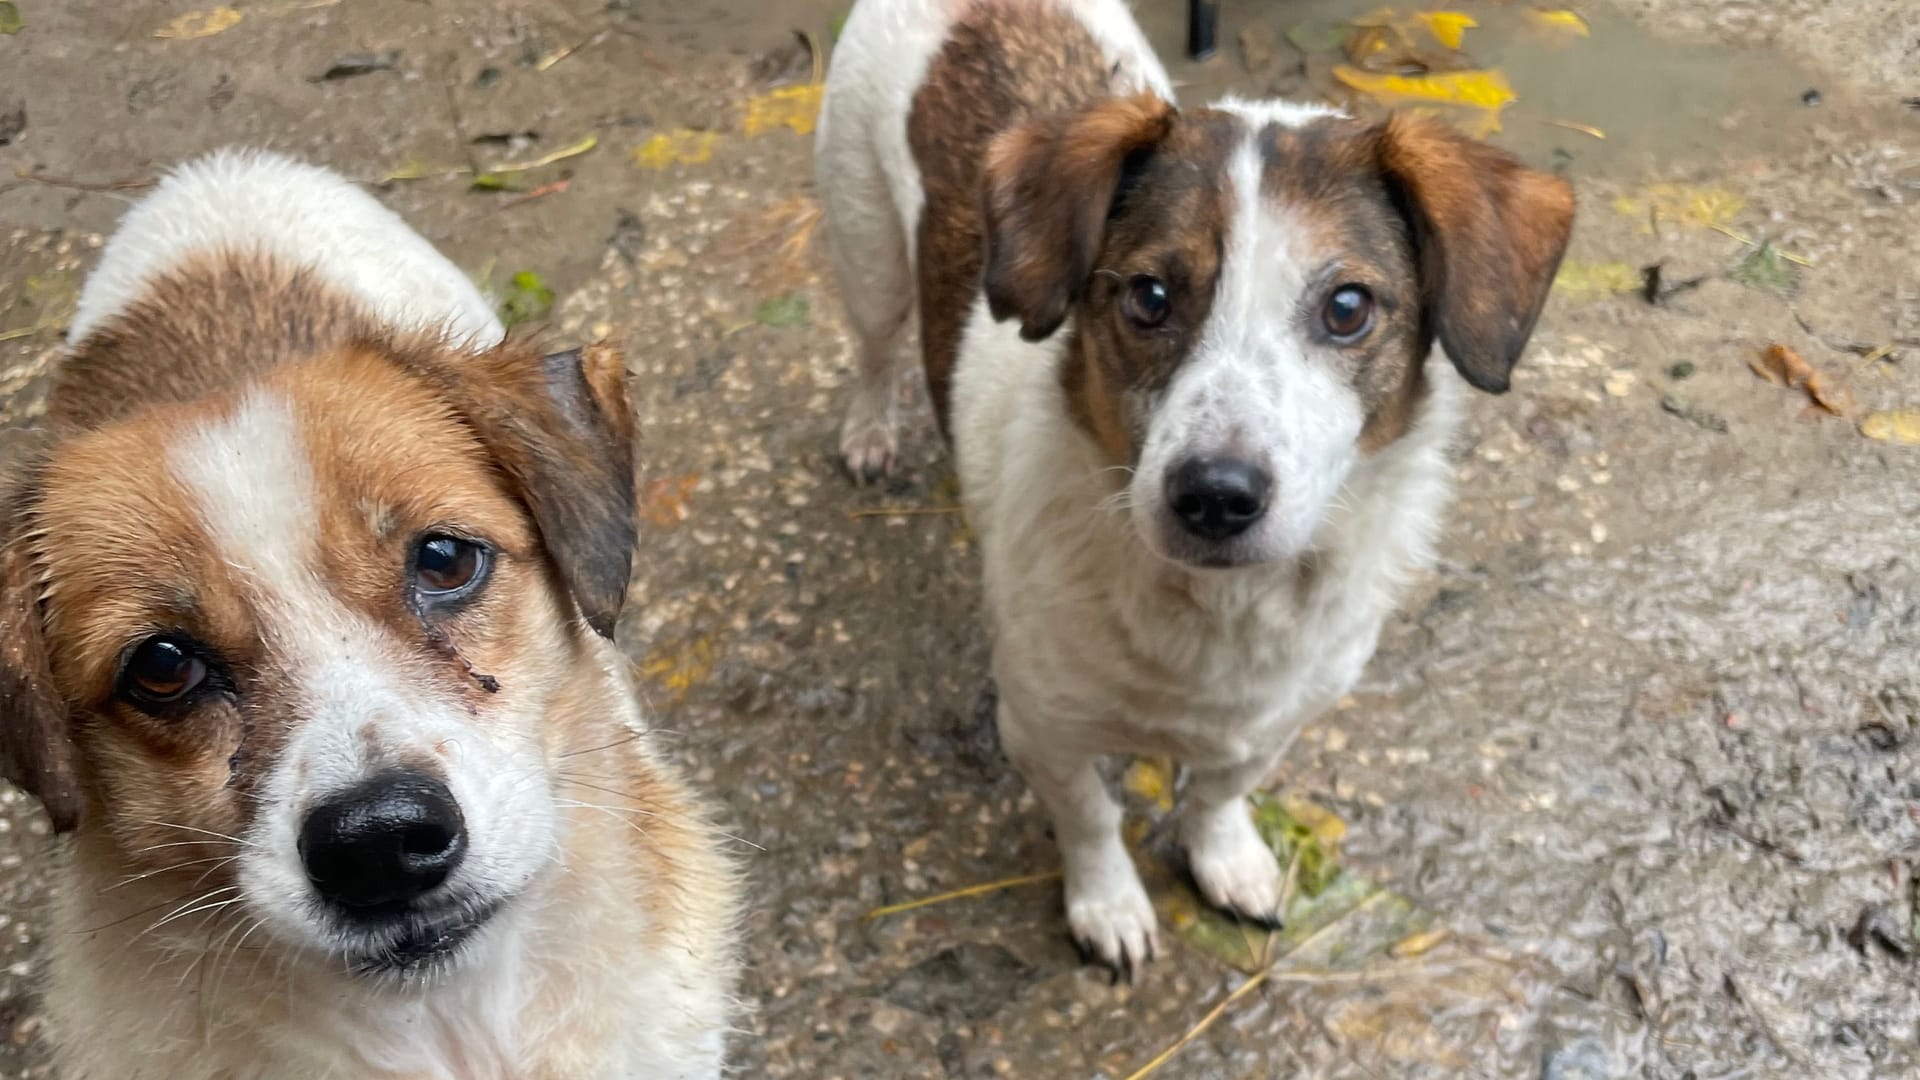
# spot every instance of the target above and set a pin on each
(869, 252)
(1234, 869)
(1107, 908)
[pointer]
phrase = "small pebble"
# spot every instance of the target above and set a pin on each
(1681, 370)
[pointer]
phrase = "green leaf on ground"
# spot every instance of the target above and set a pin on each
(782, 311)
(525, 299)
(498, 181)
(10, 20)
(1333, 918)
(1764, 268)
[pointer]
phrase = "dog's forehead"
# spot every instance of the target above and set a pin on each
(1302, 173)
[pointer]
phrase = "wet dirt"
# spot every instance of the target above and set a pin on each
(1644, 743)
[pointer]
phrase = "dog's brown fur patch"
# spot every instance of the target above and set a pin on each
(1003, 63)
(1170, 223)
(197, 330)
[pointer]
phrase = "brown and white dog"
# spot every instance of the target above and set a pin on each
(307, 606)
(1186, 359)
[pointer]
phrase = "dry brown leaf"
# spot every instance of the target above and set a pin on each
(776, 242)
(1781, 366)
(1830, 394)
(663, 502)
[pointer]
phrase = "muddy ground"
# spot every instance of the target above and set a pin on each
(1643, 745)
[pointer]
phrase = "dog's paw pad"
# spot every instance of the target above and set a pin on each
(1114, 924)
(1236, 872)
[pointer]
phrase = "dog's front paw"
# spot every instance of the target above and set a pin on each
(1233, 867)
(1109, 913)
(869, 443)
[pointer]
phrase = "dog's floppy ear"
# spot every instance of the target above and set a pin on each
(560, 428)
(1490, 233)
(36, 747)
(1048, 189)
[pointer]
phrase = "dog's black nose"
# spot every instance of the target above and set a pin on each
(383, 843)
(1216, 498)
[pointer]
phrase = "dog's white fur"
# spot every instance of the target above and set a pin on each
(300, 213)
(1102, 643)
(550, 989)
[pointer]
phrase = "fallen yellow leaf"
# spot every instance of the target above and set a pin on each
(682, 147)
(1419, 943)
(795, 107)
(570, 150)
(683, 669)
(1447, 27)
(1559, 21)
(1693, 207)
(1898, 426)
(1152, 780)
(1594, 280)
(1325, 825)
(1485, 90)
(199, 24)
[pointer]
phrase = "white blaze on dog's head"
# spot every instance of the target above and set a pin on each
(295, 648)
(1254, 289)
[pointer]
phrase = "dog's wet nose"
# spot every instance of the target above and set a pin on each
(1215, 498)
(383, 843)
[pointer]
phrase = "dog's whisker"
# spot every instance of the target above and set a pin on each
(178, 843)
(630, 739)
(218, 861)
(700, 826)
(196, 829)
(203, 902)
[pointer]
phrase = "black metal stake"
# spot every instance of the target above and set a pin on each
(1203, 17)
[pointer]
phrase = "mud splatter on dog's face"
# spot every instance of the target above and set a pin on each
(1262, 294)
(306, 634)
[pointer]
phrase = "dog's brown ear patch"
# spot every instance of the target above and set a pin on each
(560, 428)
(36, 747)
(1048, 189)
(1490, 233)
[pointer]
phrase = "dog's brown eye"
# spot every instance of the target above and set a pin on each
(445, 565)
(1147, 304)
(162, 669)
(1348, 312)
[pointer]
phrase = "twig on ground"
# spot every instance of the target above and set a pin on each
(962, 894)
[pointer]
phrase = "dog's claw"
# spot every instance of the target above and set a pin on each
(1112, 922)
(1234, 869)
(869, 447)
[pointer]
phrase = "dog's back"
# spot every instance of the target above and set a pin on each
(260, 204)
(902, 199)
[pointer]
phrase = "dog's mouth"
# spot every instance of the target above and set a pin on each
(415, 943)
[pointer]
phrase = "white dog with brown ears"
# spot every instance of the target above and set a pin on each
(308, 604)
(1186, 361)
